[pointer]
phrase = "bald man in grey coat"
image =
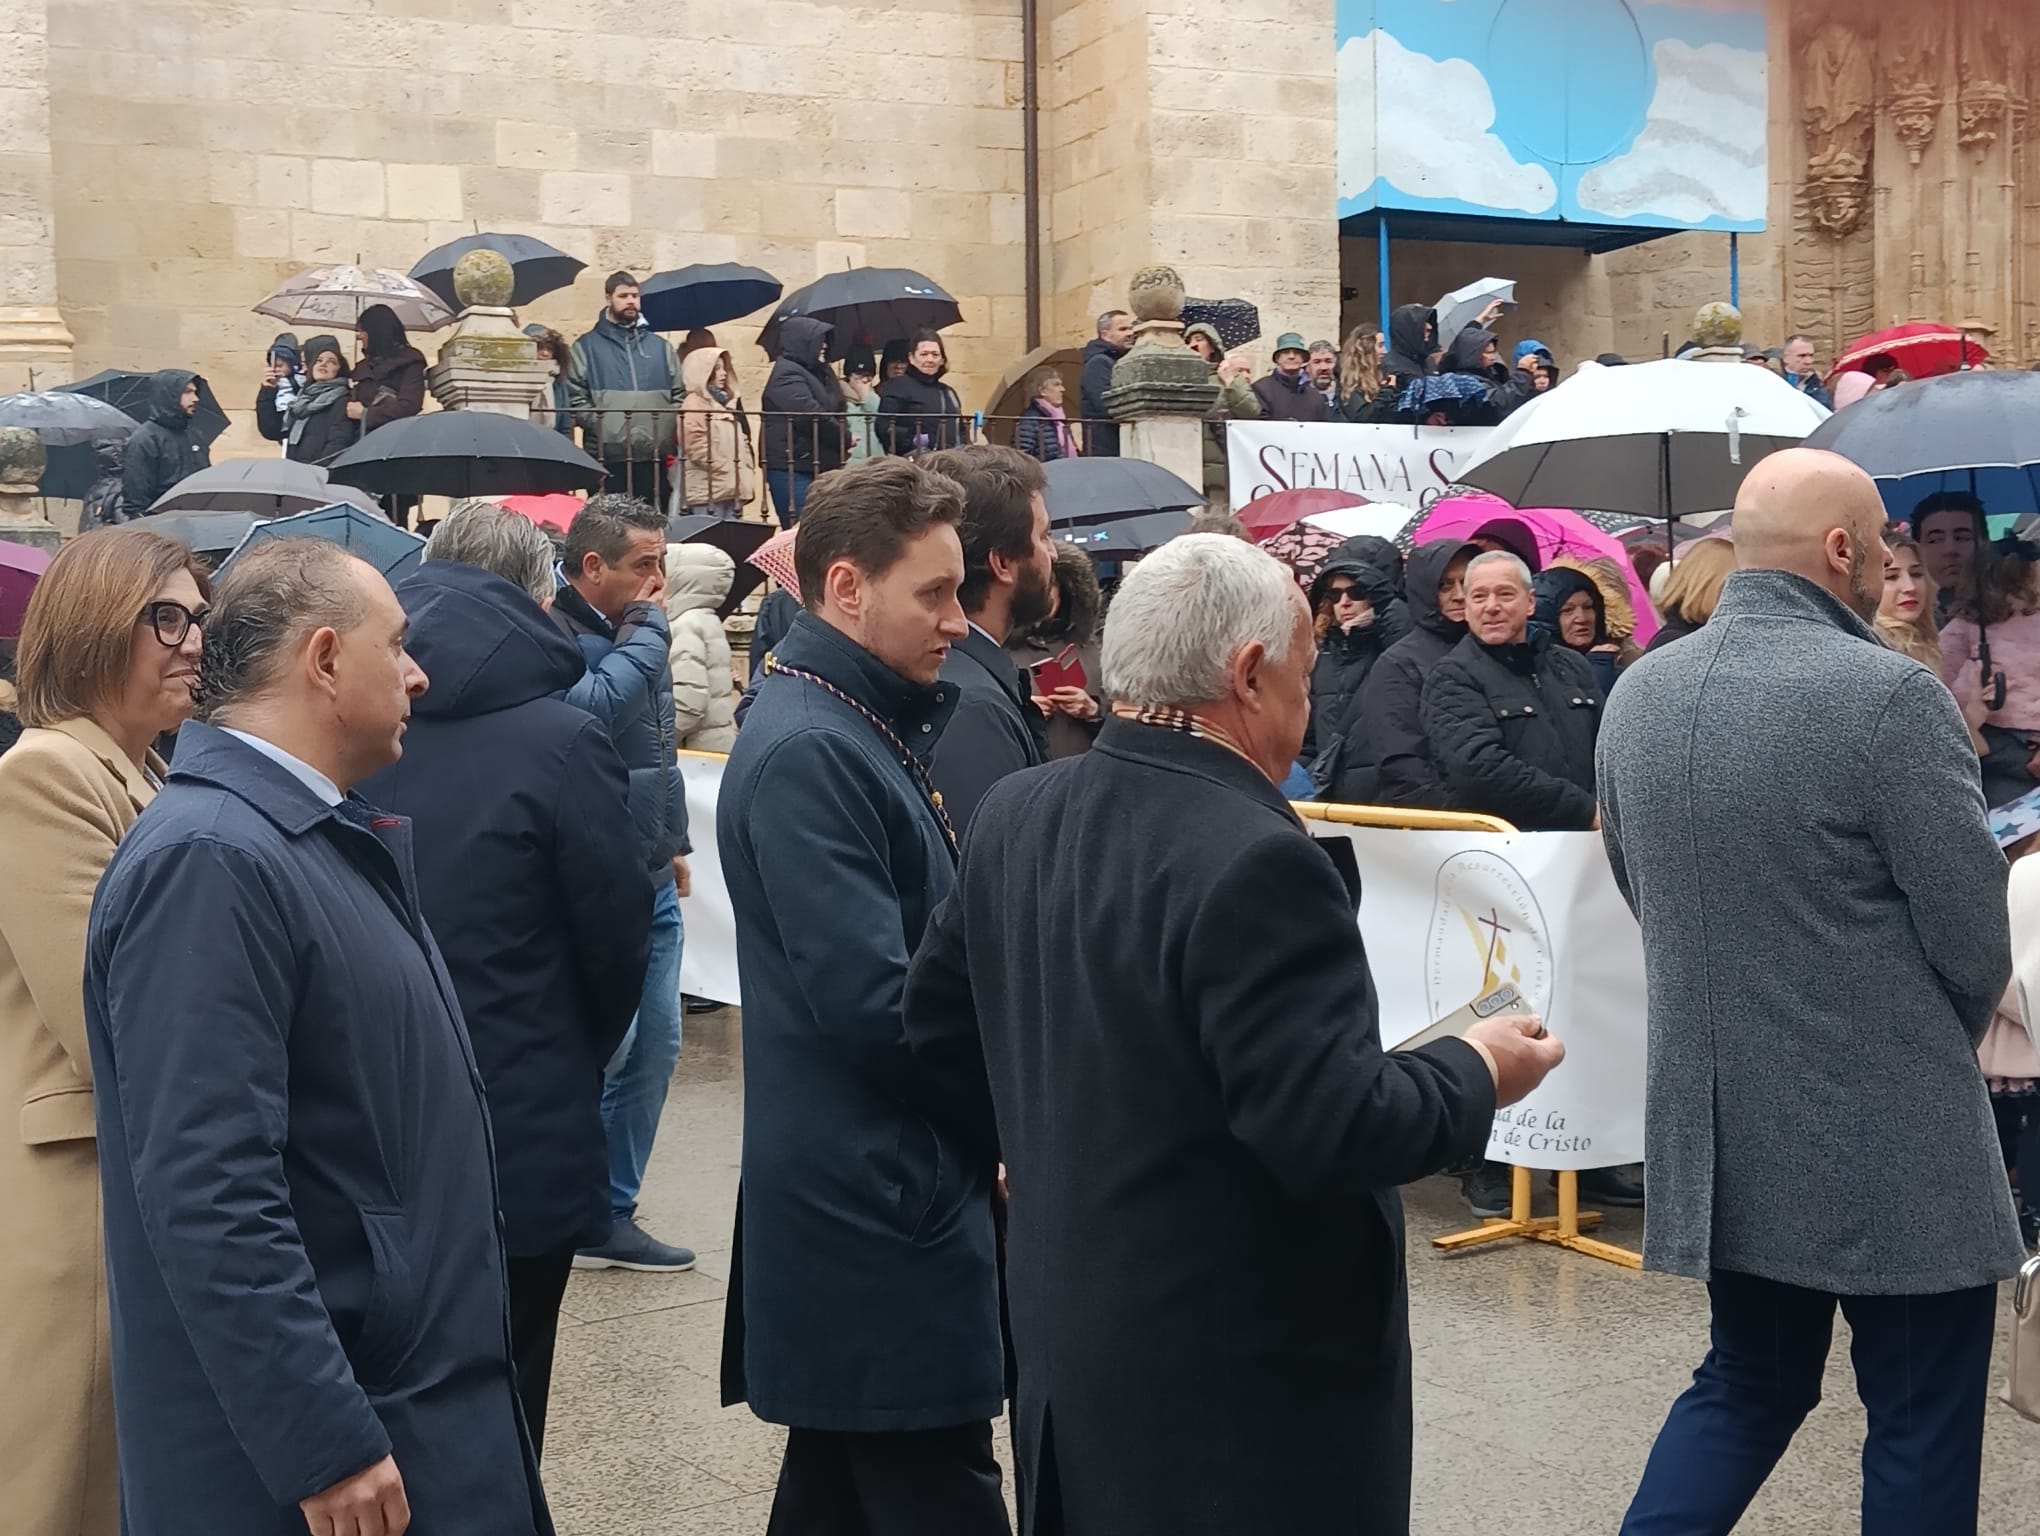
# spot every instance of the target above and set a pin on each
(1794, 813)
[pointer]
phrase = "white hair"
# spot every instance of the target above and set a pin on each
(1185, 611)
(1501, 557)
(498, 540)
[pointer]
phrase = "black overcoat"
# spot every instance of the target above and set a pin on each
(1176, 1053)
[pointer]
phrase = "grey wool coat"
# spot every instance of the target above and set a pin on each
(1794, 814)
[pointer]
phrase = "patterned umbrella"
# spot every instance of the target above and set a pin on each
(337, 295)
(1451, 392)
(1236, 321)
(1303, 547)
(775, 558)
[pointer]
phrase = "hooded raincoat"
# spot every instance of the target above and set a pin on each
(803, 403)
(715, 454)
(1388, 756)
(698, 578)
(1345, 657)
(164, 449)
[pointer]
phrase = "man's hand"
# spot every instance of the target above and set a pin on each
(654, 588)
(1074, 702)
(1595, 824)
(356, 410)
(1490, 315)
(1234, 368)
(683, 879)
(1523, 1051)
(370, 1503)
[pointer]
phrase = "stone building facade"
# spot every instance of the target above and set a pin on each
(166, 164)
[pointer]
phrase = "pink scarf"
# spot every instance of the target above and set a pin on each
(1063, 436)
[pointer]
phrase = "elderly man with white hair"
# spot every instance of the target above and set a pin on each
(1148, 996)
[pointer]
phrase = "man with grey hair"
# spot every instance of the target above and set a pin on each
(1200, 1056)
(1101, 355)
(536, 891)
(306, 1277)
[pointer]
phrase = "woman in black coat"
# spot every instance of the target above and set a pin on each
(1388, 757)
(1347, 599)
(315, 428)
(389, 381)
(1571, 609)
(917, 411)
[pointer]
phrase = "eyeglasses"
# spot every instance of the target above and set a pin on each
(173, 621)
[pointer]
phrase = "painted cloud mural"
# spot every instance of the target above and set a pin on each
(1694, 159)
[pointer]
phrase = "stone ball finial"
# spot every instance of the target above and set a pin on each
(1156, 293)
(484, 277)
(1717, 325)
(22, 459)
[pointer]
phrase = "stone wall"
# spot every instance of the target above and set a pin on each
(205, 150)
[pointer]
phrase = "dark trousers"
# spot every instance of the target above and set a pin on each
(537, 1286)
(789, 488)
(942, 1482)
(1922, 1370)
(646, 481)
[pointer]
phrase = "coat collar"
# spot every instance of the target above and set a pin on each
(1780, 594)
(102, 746)
(1159, 747)
(208, 755)
(902, 703)
(983, 651)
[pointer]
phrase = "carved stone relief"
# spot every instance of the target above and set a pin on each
(1914, 41)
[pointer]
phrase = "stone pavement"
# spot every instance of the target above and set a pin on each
(1542, 1377)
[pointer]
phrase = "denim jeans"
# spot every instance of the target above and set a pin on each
(1922, 1370)
(634, 1092)
(789, 488)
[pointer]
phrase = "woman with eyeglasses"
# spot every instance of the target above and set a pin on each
(107, 661)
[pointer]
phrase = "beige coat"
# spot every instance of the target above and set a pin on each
(67, 796)
(715, 453)
(698, 578)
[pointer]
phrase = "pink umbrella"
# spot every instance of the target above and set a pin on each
(21, 567)
(1556, 532)
(554, 511)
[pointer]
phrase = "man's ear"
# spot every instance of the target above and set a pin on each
(1247, 674)
(321, 659)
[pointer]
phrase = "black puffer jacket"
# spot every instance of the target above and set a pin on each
(164, 449)
(1388, 756)
(1391, 619)
(1345, 657)
(1101, 432)
(1512, 730)
(803, 403)
(1557, 587)
(916, 405)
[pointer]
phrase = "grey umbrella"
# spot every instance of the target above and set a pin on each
(204, 533)
(70, 427)
(1462, 306)
(1089, 491)
(266, 487)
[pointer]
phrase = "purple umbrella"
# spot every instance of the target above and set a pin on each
(21, 567)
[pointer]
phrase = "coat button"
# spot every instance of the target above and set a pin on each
(926, 729)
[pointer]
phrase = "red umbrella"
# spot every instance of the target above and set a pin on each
(1268, 515)
(21, 567)
(556, 510)
(1922, 349)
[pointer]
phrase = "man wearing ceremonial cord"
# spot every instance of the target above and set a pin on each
(863, 1305)
(1148, 994)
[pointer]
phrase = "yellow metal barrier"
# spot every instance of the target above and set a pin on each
(1566, 1229)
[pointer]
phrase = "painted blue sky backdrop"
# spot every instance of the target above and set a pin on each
(1597, 111)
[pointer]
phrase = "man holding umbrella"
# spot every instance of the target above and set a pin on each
(624, 386)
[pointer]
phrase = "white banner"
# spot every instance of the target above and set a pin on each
(1410, 465)
(1445, 916)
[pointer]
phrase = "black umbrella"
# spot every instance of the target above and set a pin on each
(465, 453)
(265, 487)
(1127, 538)
(540, 268)
(205, 533)
(135, 393)
(1097, 490)
(701, 295)
(735, 538)
(1977, 432)
(1236, 321)
(868, 306)
(70, 428)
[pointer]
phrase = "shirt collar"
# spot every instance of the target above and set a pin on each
(327, 791)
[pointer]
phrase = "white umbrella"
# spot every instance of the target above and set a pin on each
(1662, 440)
(1378, 519)
(336, 296)
(1462, 306)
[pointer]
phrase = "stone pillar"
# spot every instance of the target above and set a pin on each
(1161, 390)
(32, 331)
(488, 364)
(22, 518)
